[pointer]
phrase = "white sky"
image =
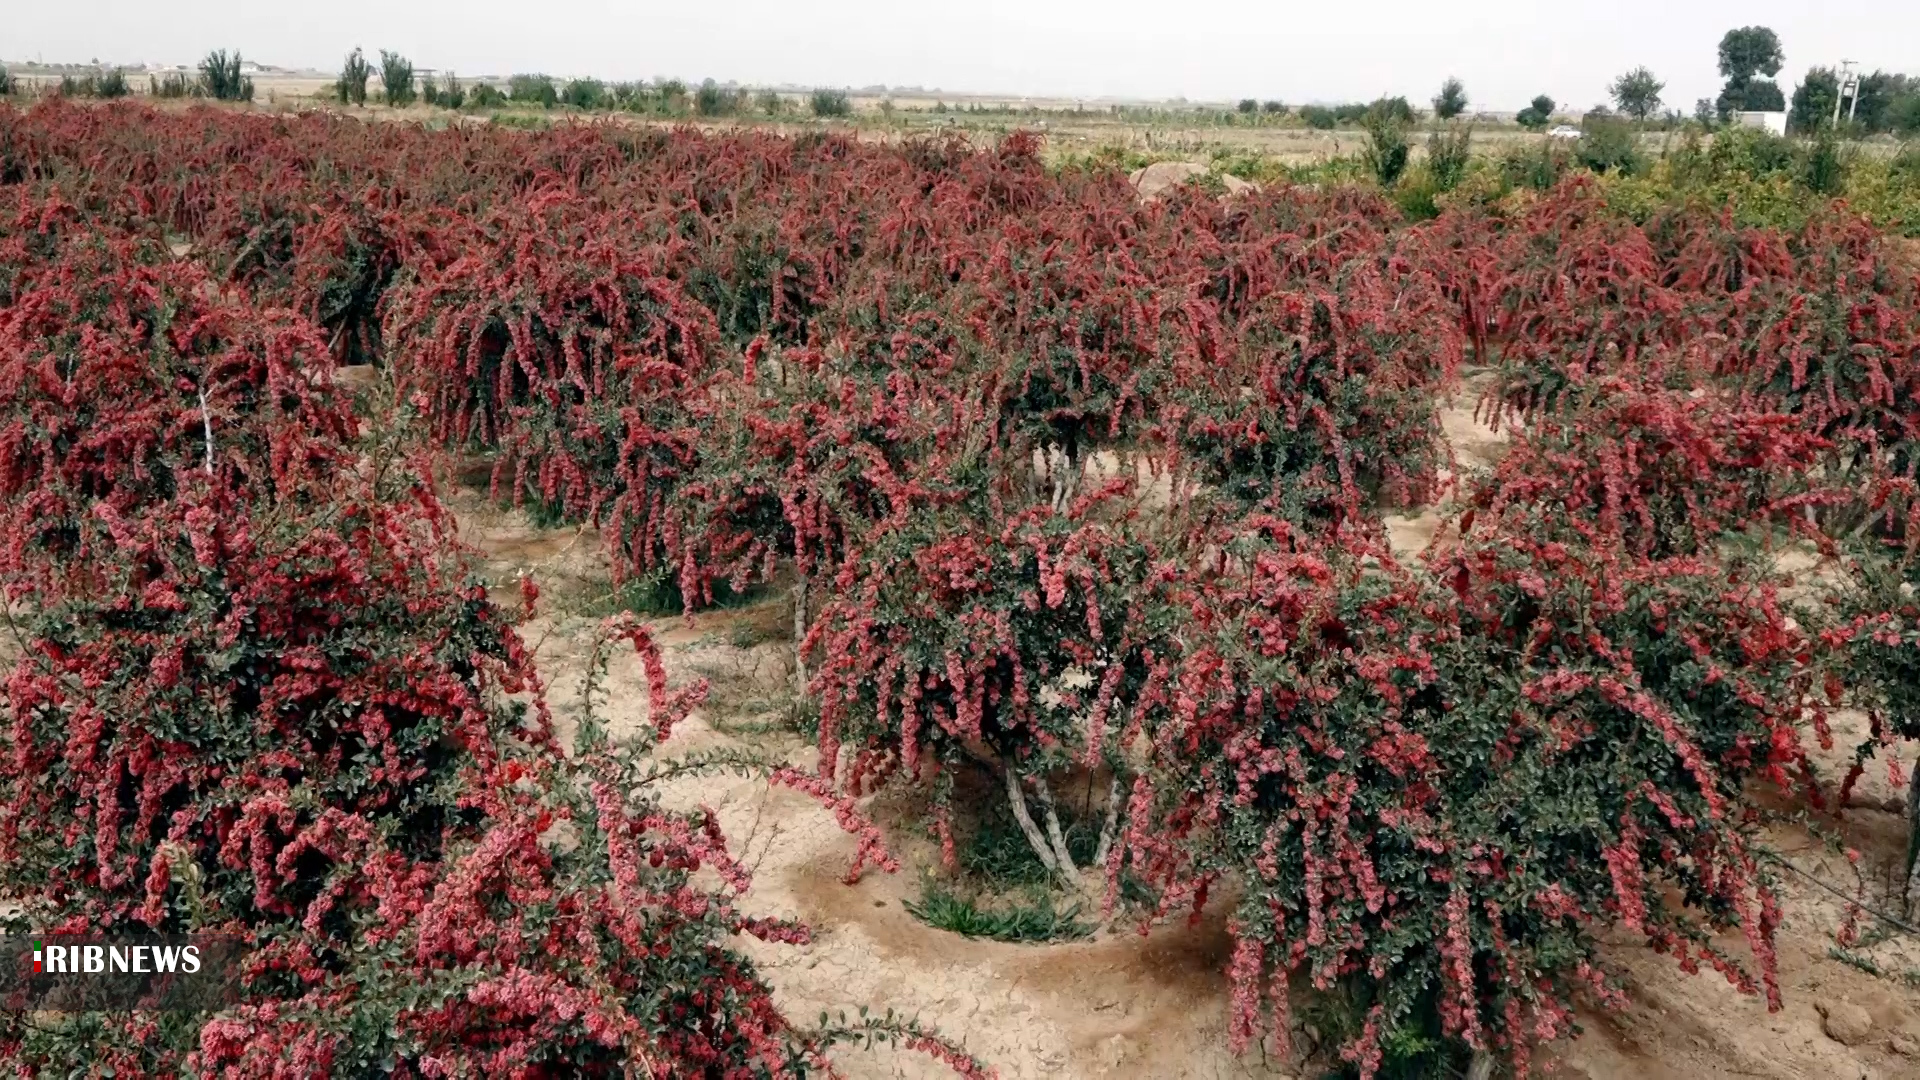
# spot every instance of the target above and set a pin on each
(1505, 50)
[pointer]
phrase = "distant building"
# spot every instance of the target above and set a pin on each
(1775, 122)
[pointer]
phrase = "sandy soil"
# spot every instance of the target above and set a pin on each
(1123, 1004)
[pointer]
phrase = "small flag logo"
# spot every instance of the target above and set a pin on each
(36, 958)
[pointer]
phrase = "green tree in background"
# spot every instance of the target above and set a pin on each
(1747, 54)
(828, 103)
(1538, 114)
(220, 76)
(1637, 93)
(396, 79)
(352, 86)
(1452, 99)
(1813, 101)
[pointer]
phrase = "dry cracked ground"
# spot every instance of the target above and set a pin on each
(1126, 1004)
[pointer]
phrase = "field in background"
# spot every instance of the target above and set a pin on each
(1132, 132)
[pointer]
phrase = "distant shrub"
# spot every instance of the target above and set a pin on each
(711, 100)
(485, 96)
(1538, 168)
(1607, 144)
(1319, 117)
(1396, 109)
(6, 82)
(1248, 105)
(448, 95)
(1740, 153)
(1418, 195)
(1277, 108)
(1387, 147)
(396, 79)
(831, 103)
(1823, 170)
(1537, 115)
(1903, 115)
(113, 84)
(587, 94)
(172, 85)
(533, 90)
(351, 89)
(1451, 101)
(1449, 151)
(773, 104)
(221, 78)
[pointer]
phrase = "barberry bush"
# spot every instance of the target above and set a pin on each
(256, 691)
(561, 345)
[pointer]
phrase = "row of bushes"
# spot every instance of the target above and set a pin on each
(259, 694)
(1070, 486)
(219, 79)
(668, 97)
(1762, 179)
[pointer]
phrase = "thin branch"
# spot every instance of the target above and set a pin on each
(1110, 826)
(800, 634)
(1884, 917)
(206, 425)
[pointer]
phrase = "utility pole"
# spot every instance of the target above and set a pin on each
(1849, 83)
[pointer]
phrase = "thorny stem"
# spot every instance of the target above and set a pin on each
(800, 635)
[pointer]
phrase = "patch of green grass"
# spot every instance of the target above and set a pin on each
(786, 713)
(653, 596)
(521, 121)
(658, 595)
(746, 634)
(997, 852)
(1039, 920)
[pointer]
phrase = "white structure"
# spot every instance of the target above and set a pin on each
(1775, 122)
(1849, 88)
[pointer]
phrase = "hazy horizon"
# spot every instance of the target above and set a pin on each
(1505, 51)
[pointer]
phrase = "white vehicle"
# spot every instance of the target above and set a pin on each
(1564, 131)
